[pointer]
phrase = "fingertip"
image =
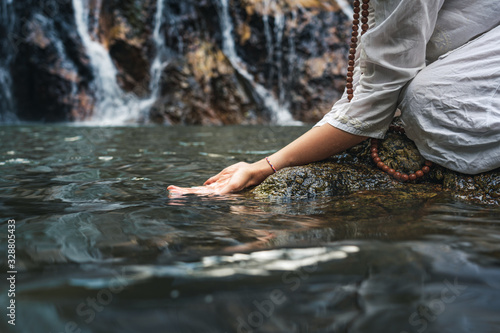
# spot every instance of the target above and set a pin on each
(211, 180)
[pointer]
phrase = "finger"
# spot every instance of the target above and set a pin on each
(212, 180)
(186, 190)
(200, 190)
(216, 177)
(221, 177)
(227, 172)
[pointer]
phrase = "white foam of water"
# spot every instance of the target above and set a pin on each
(111, 106)
(114, 106)
(159, 61)
(279, 28)
(7, 112)
(259, 263)
(346, 8)
(267, 30)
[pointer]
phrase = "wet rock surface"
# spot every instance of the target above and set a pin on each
(125, 29)
(354, 172)
(295, 50)
(203, 88)
(51, 79)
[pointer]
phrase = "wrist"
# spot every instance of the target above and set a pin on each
(262, 169)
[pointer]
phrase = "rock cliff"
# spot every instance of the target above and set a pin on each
(221, 61)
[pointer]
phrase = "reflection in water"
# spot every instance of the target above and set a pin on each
(101, 247)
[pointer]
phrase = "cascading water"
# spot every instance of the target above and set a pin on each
(7, 113)
(274, 45)
(278, 32)
(111, 105)
(160, 61)
(267, 30)
(346, 8)
(114, 106)
(292, 52)
(280, 114)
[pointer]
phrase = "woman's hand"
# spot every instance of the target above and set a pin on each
(315, 145)
(232, 179)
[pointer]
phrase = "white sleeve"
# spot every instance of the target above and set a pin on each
(388, 55)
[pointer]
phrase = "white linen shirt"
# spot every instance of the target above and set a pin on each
(404, 36)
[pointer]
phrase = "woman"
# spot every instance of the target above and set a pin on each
(438, 61)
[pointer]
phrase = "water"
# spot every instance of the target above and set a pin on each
(8, 48)
(345, 7)
(111, 102)
(114, 106)
(101, 248)
(160, 61)
(274, 46)
(280, 114)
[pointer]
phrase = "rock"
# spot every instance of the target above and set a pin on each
(125, 29)
(51, 76)
(203, 88)
(481, 188)
(324, 179)
(296, 50)
(354, 172)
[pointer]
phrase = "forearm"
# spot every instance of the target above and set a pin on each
(315, 145)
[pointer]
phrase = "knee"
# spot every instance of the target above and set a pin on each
(417, 88)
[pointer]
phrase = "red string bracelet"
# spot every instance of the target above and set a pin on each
(271, 165)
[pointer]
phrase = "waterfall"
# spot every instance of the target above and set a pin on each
(274, 45)
(7, 52)
(292, 51)
(279, 27)
(280, 114)
(160, 60)
(114, 106)
(346, 8)
(111, 106)
(267, 30)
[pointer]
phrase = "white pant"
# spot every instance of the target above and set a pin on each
(451, 109)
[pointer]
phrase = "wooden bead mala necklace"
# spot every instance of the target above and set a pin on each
(363, 9)
(393, 173)
(354, 42)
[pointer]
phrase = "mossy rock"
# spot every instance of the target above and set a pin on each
(353, 171)
(481, 188)
(324, 179)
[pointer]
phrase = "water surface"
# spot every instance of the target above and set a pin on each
(101, 247)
